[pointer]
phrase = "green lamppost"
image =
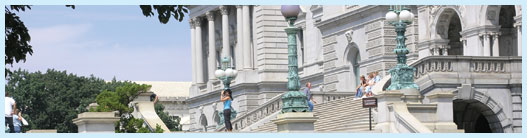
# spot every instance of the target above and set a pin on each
(293, 100)
(226, 73)
(402, 74)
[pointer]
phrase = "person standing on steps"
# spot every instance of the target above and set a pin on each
(9, 110)
(226, 98)
(309, 96)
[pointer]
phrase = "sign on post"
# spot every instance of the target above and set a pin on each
(370, 102)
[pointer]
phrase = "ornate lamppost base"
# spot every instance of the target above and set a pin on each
(402, 77)
(294, 101)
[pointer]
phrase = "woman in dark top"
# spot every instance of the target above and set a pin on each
(226, 98)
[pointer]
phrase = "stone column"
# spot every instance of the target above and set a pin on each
(464, 44)
(199, 51)
(193, 47)
(435, 51)
(486, 44)
(247, 62)
(519, 32)
(495, 45)
(225, 31)
(212, 45)
(445, 50)
(239, 38)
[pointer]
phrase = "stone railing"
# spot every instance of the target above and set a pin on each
(404, 121)
(459, 64)
(274, 105)
(271, 106)
(465, 64)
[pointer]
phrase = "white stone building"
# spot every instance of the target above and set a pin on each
(472, 51)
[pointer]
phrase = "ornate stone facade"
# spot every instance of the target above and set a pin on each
(337, 44)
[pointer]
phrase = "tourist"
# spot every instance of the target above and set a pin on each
(370, 83)
(226, 98)
(377, 77)
(153, 98)
(9, 107)
(17, 121)
(360, 88)
(309, 96)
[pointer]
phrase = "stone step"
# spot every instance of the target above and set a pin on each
(342, 115)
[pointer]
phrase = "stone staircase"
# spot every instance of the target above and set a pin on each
(342, 115)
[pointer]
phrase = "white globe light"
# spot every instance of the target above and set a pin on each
(219, 73)
(228, 72)
(234, 73)
(405, 15)
(290, 10)
(412, 18)
(391, 16)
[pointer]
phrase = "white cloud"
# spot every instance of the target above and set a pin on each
(58, 34)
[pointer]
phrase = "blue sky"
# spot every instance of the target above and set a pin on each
(107, 41)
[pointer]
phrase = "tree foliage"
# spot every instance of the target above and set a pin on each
(52, 99)
(119, 100)
(172, 123)
(165, 12)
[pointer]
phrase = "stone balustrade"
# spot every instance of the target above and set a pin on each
(466, 64)
(274, 105)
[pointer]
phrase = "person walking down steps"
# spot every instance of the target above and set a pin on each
(309, 96)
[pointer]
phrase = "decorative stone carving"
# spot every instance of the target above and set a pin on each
(491, 15)
(224, 10)
(191, 23)
(197, 21)
(210, 15)
(349, 36)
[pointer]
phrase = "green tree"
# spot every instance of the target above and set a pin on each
(52, 99)
(172, 123)
(119, 101)
(165, 12)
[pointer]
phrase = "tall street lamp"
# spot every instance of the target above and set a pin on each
(402, 74)
(293, 100)
(226, 73)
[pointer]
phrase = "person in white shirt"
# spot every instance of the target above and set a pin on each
(9, 107)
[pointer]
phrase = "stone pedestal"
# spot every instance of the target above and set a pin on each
(444, 114)
(42, 131)
(96, 122)
(411, 95)
(385, 98)
(295, 122)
